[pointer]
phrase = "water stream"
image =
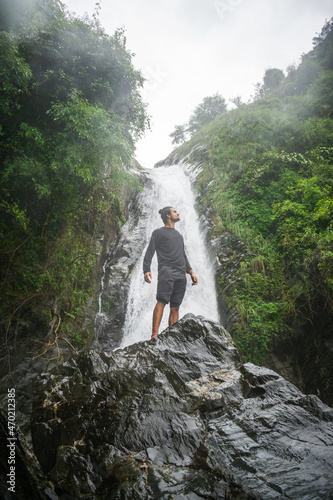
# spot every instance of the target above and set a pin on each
(101, 317)
(169, 186)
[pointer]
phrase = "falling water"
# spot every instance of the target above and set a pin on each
(169, 186)
(101, 317)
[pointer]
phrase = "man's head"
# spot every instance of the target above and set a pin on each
(169, 214)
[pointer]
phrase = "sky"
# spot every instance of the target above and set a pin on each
(190, 49)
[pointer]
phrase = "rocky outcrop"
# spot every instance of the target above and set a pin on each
(230, 253)
(180, 417)
(111, 250)
(192, 157)
(25, 479)
(118, 269)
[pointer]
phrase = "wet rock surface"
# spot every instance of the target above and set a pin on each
(230, 253)
(117, 277)
(179, 417)
(27, 480)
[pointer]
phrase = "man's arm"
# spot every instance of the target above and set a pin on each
(148, 258)
(148, 277)
(190, 271)
(193, 277)
(187, 264)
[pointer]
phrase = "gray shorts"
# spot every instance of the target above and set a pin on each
(171, 286)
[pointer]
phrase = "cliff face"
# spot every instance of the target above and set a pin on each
(19, 345)
(122, 255)
(179, 417)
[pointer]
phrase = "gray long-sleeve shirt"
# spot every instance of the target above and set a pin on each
(169, 246)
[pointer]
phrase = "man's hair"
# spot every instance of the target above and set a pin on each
(164, 212)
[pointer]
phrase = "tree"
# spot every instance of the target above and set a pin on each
(323, 44)
(43, 69)
(70, 113)
(15, 76)
(210, 108)
(272, 79)
(179, 134)
(237, 101)
(24, 15)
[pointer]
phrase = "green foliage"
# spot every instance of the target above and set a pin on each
(272, 80)
(204, 113)
(285, 200)
(210, 108)
(178, 135)
(261, 319)
(323, 44)
(70, 114)
(267, 177)
(15, 75)
(93, 136)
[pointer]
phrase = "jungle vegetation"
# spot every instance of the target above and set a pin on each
(267, 177)
(71, 111)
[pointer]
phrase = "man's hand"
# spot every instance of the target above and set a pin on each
(193, 277)
(148, 277)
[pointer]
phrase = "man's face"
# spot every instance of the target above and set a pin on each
(174, 215)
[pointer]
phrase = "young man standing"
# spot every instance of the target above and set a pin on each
(172, 267)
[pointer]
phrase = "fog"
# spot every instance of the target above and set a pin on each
(190, 49)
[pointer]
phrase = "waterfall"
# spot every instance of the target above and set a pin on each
(169, 186)
(101, 317)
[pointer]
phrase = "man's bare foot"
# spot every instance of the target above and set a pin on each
(154, 335)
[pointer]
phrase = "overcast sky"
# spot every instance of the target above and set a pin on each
(190, 49)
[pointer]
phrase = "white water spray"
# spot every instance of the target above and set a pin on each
(101, 317)
(170, 186)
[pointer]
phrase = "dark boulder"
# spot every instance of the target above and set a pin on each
(20, 474)
(179, 417)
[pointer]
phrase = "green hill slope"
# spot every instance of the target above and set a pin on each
(267, 177)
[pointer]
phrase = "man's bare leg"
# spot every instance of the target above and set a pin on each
(157, 318)
(174, 315)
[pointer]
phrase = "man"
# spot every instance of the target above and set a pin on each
(172, 267)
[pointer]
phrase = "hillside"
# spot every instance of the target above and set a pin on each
(71, 112)
(266, 177)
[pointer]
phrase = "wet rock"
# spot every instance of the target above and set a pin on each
(116, 280)
(230, 253)
(22, 379)
(28, 480)
(180, 417)
(191, 160)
